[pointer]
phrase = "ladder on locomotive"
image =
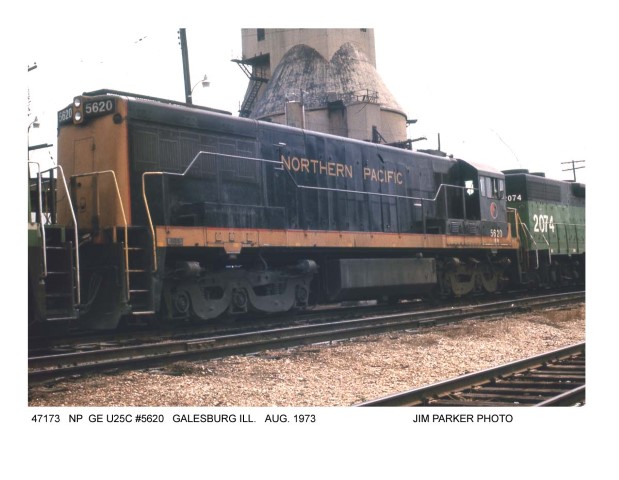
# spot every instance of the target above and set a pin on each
(60, 283)
(59, 261)
(139, 269)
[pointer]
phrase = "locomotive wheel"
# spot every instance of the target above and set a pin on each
(490, 280)
(461, 280)
(301, 295)
(239, 300)
(182, 302)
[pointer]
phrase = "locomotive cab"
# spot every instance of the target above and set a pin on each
(478, 206)
(492, 203)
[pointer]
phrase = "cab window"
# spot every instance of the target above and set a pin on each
(489, 191)
(492, 187)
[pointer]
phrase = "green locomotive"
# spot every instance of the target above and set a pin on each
(551, 226)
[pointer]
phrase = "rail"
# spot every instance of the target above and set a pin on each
(252, 340)
(469, 389)
(122, 211)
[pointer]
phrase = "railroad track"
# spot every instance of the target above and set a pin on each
(89, 340)
(554, 378)
(46, 367)
(80, 340)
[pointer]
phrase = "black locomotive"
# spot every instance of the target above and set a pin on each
(189, 213)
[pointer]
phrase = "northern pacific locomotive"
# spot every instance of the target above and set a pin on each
(161, 208)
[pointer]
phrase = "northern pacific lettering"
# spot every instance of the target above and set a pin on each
(335, 169)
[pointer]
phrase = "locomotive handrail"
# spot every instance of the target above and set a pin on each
(182, 174)
(280, 163)
(526, 229)
(549, 249)
(512, 212)
(122, 211)
(406, 197)
(75, 233)
(518, 221)
(148, 216)
(392, 195)
(40, 207)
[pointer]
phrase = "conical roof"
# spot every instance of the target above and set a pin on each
(303, 71)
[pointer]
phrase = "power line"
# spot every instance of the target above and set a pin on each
(573, 168)
(510, 148)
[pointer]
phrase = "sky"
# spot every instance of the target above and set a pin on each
(511, 84)
(510, 87)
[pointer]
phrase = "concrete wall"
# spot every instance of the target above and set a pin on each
(327, 41)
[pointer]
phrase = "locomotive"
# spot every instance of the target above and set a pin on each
(159, 208)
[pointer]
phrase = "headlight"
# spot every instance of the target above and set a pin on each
(78, 116)
(77, 102)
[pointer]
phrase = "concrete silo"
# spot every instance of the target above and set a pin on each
(320, 79)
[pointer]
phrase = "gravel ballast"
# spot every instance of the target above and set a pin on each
(329, 374)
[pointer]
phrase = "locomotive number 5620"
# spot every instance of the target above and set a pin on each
(100, 107)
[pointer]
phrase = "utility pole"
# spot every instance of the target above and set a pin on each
(183, 39)
(573, 168)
